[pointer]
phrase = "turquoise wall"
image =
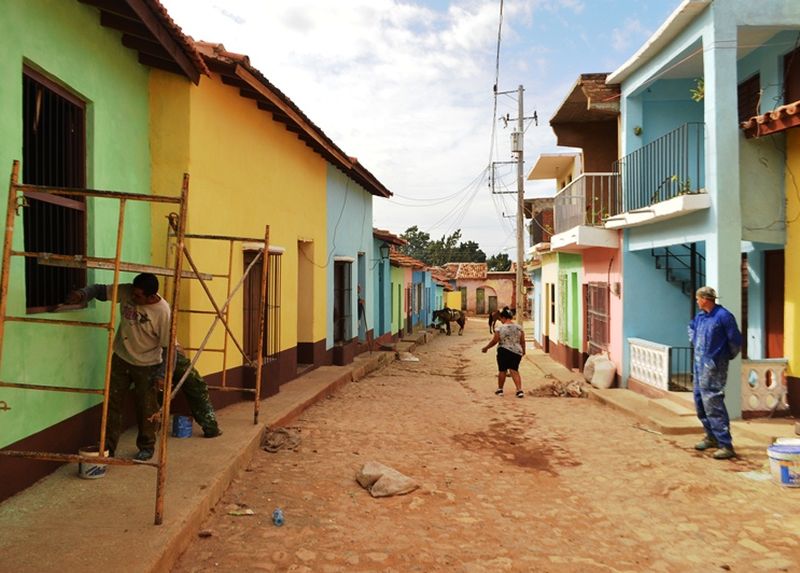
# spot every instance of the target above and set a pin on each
(349, 232)
(64, 41)
(382, 291)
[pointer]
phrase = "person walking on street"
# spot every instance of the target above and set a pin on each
(511, 339)
(716, 340)
(139, 356)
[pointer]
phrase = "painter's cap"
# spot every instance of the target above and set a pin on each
(706, 292)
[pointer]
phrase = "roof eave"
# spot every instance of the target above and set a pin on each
(672, 26)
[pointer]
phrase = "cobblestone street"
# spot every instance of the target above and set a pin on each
(506, 484)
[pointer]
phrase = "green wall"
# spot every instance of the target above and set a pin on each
(572, 265)
(398, 305)
(64, 41)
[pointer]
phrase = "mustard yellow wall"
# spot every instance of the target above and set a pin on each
(453, 299)
(246, 171)
(791, 326)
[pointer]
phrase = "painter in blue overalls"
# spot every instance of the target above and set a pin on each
(716, 341)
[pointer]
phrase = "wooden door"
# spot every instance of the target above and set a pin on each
(773, 303)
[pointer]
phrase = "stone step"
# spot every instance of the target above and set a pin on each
(665, 405)
(659, 419)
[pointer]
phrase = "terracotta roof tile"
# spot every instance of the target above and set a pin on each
(388, 237)
(186, 42)
(779, 119)
(400, 260)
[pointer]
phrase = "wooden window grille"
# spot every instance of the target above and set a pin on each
(252, 304)
(791, 76)
(597, 317)
(749, 97)
(463, 291)
(53, 155)
(342, 292)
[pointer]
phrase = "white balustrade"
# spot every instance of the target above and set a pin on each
(650, 363)
(764, 385)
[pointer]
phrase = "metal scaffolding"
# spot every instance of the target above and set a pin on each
(222, 313)
(177, 223)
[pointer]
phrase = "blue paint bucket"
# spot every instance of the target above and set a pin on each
(784, 464)
(181, 426)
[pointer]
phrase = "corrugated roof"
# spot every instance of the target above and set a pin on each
(591, 99)
(237, 71)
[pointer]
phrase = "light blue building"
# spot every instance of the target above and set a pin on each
(351, 258)
(383, 242)
(699, 204)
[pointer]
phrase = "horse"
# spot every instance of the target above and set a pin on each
(448, 314)
(494, 316)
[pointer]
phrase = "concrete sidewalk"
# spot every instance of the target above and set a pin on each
(673, 414)
(64, 523)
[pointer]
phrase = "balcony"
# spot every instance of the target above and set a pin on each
(662, 180)
(581, 209)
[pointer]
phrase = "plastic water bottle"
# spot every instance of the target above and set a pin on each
(277, 517)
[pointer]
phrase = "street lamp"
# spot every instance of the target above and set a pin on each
(384, 251)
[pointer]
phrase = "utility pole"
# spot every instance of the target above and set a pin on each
(519, 148)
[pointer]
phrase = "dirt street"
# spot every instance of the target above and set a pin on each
(507, 484)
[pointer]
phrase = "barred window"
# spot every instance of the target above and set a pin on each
(54, 155)
(597, 317)
(342, 292)
(252, 304)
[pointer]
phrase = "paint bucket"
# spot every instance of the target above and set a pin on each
(181, 426)
(89, 470)
(784, 464)
(787, 441)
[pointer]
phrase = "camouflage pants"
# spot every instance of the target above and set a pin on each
(145, 393)
(196, 392)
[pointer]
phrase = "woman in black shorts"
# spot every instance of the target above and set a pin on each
(511, 338)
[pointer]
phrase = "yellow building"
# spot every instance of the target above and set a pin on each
(254, 160)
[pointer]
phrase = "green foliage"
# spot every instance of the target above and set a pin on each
(447, 249)
(698, 92)
(499, 262)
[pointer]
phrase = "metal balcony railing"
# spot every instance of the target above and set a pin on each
(588, 200)
(668, 167)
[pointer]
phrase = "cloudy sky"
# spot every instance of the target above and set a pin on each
(406, 86)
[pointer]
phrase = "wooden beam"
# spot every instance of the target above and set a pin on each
(160, 63)
(125, 25)
(144, 46)
(118, 7)
(157, 28)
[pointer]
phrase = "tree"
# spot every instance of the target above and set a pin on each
(499, 262)
(447, 249)
(418, 244)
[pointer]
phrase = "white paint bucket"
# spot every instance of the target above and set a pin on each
(784, 464)
(89, 470)
(787, 441)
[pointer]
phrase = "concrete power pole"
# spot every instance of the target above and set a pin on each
(519, 148)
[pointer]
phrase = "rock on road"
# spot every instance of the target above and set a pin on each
(507, 484)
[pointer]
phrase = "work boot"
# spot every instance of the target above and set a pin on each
(724, 453)
(211, 432)
(706, 443)
(143, 455)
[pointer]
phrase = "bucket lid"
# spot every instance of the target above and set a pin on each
(784, 449)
